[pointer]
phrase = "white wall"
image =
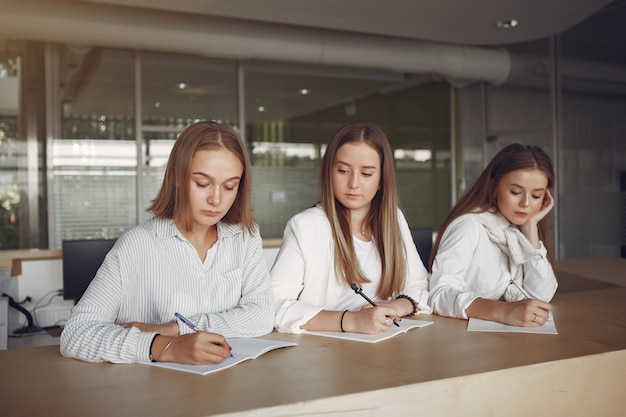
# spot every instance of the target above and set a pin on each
(39, 281)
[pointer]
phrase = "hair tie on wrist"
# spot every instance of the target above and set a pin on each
(412, 302)
(341, 322)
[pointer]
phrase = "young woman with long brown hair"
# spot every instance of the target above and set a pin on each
(356, 236)
(492, 258)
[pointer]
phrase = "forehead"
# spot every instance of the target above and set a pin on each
(360, 153)
(532, 179)
(216, 162)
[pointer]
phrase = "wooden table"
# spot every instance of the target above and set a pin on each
(598, 272)
(438, 370)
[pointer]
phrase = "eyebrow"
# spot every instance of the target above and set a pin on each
(363, 167)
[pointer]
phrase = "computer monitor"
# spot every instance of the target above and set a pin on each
(81, 260)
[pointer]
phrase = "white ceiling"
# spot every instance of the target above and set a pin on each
(453, 22)
(466, 22)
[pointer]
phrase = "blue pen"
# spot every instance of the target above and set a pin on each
(190, 324)
(187, 322)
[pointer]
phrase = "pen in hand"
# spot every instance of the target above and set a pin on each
(360, 292)
(190, 324)
(187, 322)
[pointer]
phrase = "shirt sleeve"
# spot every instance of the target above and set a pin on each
(539, 279)
(416, 285)
(448, 294)
(91, 333)
(288, 281)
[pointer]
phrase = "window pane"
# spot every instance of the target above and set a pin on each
(292, 112)
(178, 90)
(94, 157)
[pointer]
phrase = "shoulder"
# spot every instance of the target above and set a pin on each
(465, 226)
(313, 217)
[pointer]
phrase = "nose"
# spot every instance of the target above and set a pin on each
(353, 180)
(214, 196)
(525, 201)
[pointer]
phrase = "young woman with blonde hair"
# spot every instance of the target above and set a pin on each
(354, 237)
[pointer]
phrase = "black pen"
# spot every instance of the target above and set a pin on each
(360, 292)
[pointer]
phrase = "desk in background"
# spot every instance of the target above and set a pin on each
(438, 370)
(591, 273)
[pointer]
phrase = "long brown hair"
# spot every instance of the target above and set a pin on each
(482, 196)
(172, 201)
(382, 217)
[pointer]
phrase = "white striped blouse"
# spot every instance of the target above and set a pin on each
(152, 272)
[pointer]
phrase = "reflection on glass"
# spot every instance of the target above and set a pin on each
(94, 158)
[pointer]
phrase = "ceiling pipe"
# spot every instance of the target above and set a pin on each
(155, 30)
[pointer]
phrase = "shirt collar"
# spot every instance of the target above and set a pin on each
(166, 228)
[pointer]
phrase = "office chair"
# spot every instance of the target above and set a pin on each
(423, 240)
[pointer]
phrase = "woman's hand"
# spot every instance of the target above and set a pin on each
(167, 329)
(525, 313)
(529, 229)
(546, 206)
(197, 348)
(370, 320)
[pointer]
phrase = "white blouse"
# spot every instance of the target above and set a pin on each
(468, 266)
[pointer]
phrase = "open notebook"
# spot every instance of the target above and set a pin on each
(478, 325)
(244, 348)
(404, 326)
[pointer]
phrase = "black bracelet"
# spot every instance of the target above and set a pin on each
(341, 322)
(150, 349)
(412, 302)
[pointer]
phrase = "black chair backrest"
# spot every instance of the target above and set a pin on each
(81, 260)
(423, 239)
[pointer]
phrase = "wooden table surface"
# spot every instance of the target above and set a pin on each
(342, 375)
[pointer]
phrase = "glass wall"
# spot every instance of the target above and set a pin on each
(99, 156)
(94, 157)
(293, 111)
(11, 152)
(593, 131)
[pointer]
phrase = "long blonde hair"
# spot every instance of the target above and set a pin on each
(382, 217)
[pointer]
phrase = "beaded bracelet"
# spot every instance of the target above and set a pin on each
(412, 302)
(341, 322)
(164, 349)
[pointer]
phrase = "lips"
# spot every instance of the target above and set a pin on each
(521, 214)
(210, 213)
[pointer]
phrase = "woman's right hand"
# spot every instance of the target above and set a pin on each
(526, 313)
(199, 348)
(372, 320)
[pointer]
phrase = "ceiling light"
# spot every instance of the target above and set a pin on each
(261, 109)
(182, 86)
(507, 24)
(304, 92)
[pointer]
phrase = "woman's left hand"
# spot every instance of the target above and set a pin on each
(546, 206)
(167, 329)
